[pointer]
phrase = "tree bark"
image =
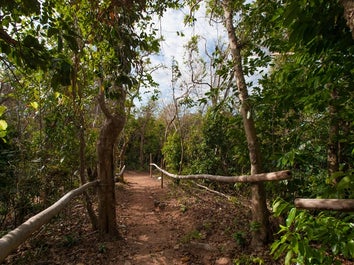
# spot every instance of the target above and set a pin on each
(348, 6)
(343, 205)
(83, 179)
(142, 139)
(112, 127)
(80, 124)
(260, 214)
(332, 150)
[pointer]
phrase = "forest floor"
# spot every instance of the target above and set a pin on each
(179, 224)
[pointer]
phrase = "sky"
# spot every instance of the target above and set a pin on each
(173, 46)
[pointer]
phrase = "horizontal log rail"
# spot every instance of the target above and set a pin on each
(343, 205)
(14, 238)
(272, 176)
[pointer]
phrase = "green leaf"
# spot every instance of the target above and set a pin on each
(350, 247)
(72, 43)
(32, 42)
(279, 206)
(2, 110)
(288, 257)
(52, 31)
(3, 125)
(34, 105)
(344, 183)
(291, 217)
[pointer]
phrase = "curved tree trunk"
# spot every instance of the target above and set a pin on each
(112, 127)
(260, 214)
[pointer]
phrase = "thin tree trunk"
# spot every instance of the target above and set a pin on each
(111, 129)
(89, 207)
(332, 151)
(81, 127)
(142, 142)
(260, 214)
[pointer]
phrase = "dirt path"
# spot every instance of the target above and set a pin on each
(165, 226)
(148, 222)
(177, 225)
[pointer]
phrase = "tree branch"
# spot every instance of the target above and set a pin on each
(102, 102)
(7, 38)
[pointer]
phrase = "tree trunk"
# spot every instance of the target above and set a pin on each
(105, 155)
(80, 125)
(332, 151)
(83, 179)
(142, 142)
(348, 6)
(260, 214)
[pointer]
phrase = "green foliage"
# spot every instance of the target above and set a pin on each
(70, 240)
(295, 96)
(192, 235)
(248, 260)
(151, 135)
(220, 149)
(7, 181)
(308, 239)
(239, 238)
(3, 124)
(345, 186)
(172, 152)
(183, 208)
(102, 248)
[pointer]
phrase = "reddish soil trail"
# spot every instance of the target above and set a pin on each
(176, 225)
(148, 222)
(168, 226)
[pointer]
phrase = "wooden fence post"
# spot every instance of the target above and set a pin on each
(150, 165)
(161, 180)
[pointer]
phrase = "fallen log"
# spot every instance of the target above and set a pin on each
(272, 176)
(343, 205)
(14, 238)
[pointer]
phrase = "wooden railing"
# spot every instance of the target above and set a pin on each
(14, 238)
(272, 176)
(343, 205)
